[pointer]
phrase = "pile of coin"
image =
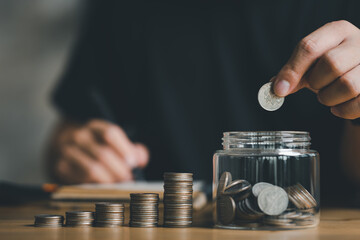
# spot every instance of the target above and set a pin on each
(240, 203)
(290, 218)
(144, 209)
(48, 220)
(247, 210)
(178, 190)
(300, 197)
(109, 214)
(79, 219)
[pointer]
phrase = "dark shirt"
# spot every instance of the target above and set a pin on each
(177, 74)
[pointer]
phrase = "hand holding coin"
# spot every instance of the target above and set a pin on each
(327, 62)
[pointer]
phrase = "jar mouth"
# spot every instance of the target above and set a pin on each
(266, 140)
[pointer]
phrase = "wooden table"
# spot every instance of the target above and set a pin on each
(16, 223)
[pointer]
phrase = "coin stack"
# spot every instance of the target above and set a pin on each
(300, 197)
(48, 220)
(178, 189)
(144, 209)
(79, 219)
(263, 203)
(109, 214)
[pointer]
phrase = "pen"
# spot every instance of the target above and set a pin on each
(106, 113)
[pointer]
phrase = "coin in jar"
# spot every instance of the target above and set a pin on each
(225, 179)
(238, 189)
(258, 187)
(226, 209)
(273, 200)
(268, 99)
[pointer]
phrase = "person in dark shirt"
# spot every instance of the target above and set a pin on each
(155, 83)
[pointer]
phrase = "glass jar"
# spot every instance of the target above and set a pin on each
(266, 180)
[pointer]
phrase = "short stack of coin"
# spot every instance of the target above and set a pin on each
(144, 209)
(109, 214)
(48, 220)
(79, 219)
(300, 197)
(178, 190)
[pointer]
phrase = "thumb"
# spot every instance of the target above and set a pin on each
(142, 154)
(291, 77)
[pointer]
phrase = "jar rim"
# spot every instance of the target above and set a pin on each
(254, 133)
(266, 139)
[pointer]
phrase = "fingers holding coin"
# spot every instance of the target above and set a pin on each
(327, 62)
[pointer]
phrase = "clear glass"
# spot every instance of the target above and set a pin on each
(266, 180)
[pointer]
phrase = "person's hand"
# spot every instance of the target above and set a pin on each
(98, 151)
(327, 62)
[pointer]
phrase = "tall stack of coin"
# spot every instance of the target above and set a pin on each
(178, 199)
(144, 209)
(79, 219)
(48, 220)
(109, 214)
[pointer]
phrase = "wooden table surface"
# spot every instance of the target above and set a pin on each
(16, 223)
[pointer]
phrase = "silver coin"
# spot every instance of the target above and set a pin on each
(273, 200)
(258, 187)
(267, 99)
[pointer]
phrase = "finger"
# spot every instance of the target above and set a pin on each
(334, 64)
(348, 110)
(67, 173)
(117, 166)
(142, 154)
(90, 170)
(113, 162)
(116, 138)
(305, 54)
(341, 90)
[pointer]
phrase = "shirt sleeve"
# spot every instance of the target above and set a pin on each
(88, 65)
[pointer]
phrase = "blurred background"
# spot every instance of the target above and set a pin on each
(35, 40)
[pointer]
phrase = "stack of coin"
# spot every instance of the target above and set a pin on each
(48, 220)
(79, 219)
(109, 214)
(178, 199)
(144, 209)
(300, 197)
